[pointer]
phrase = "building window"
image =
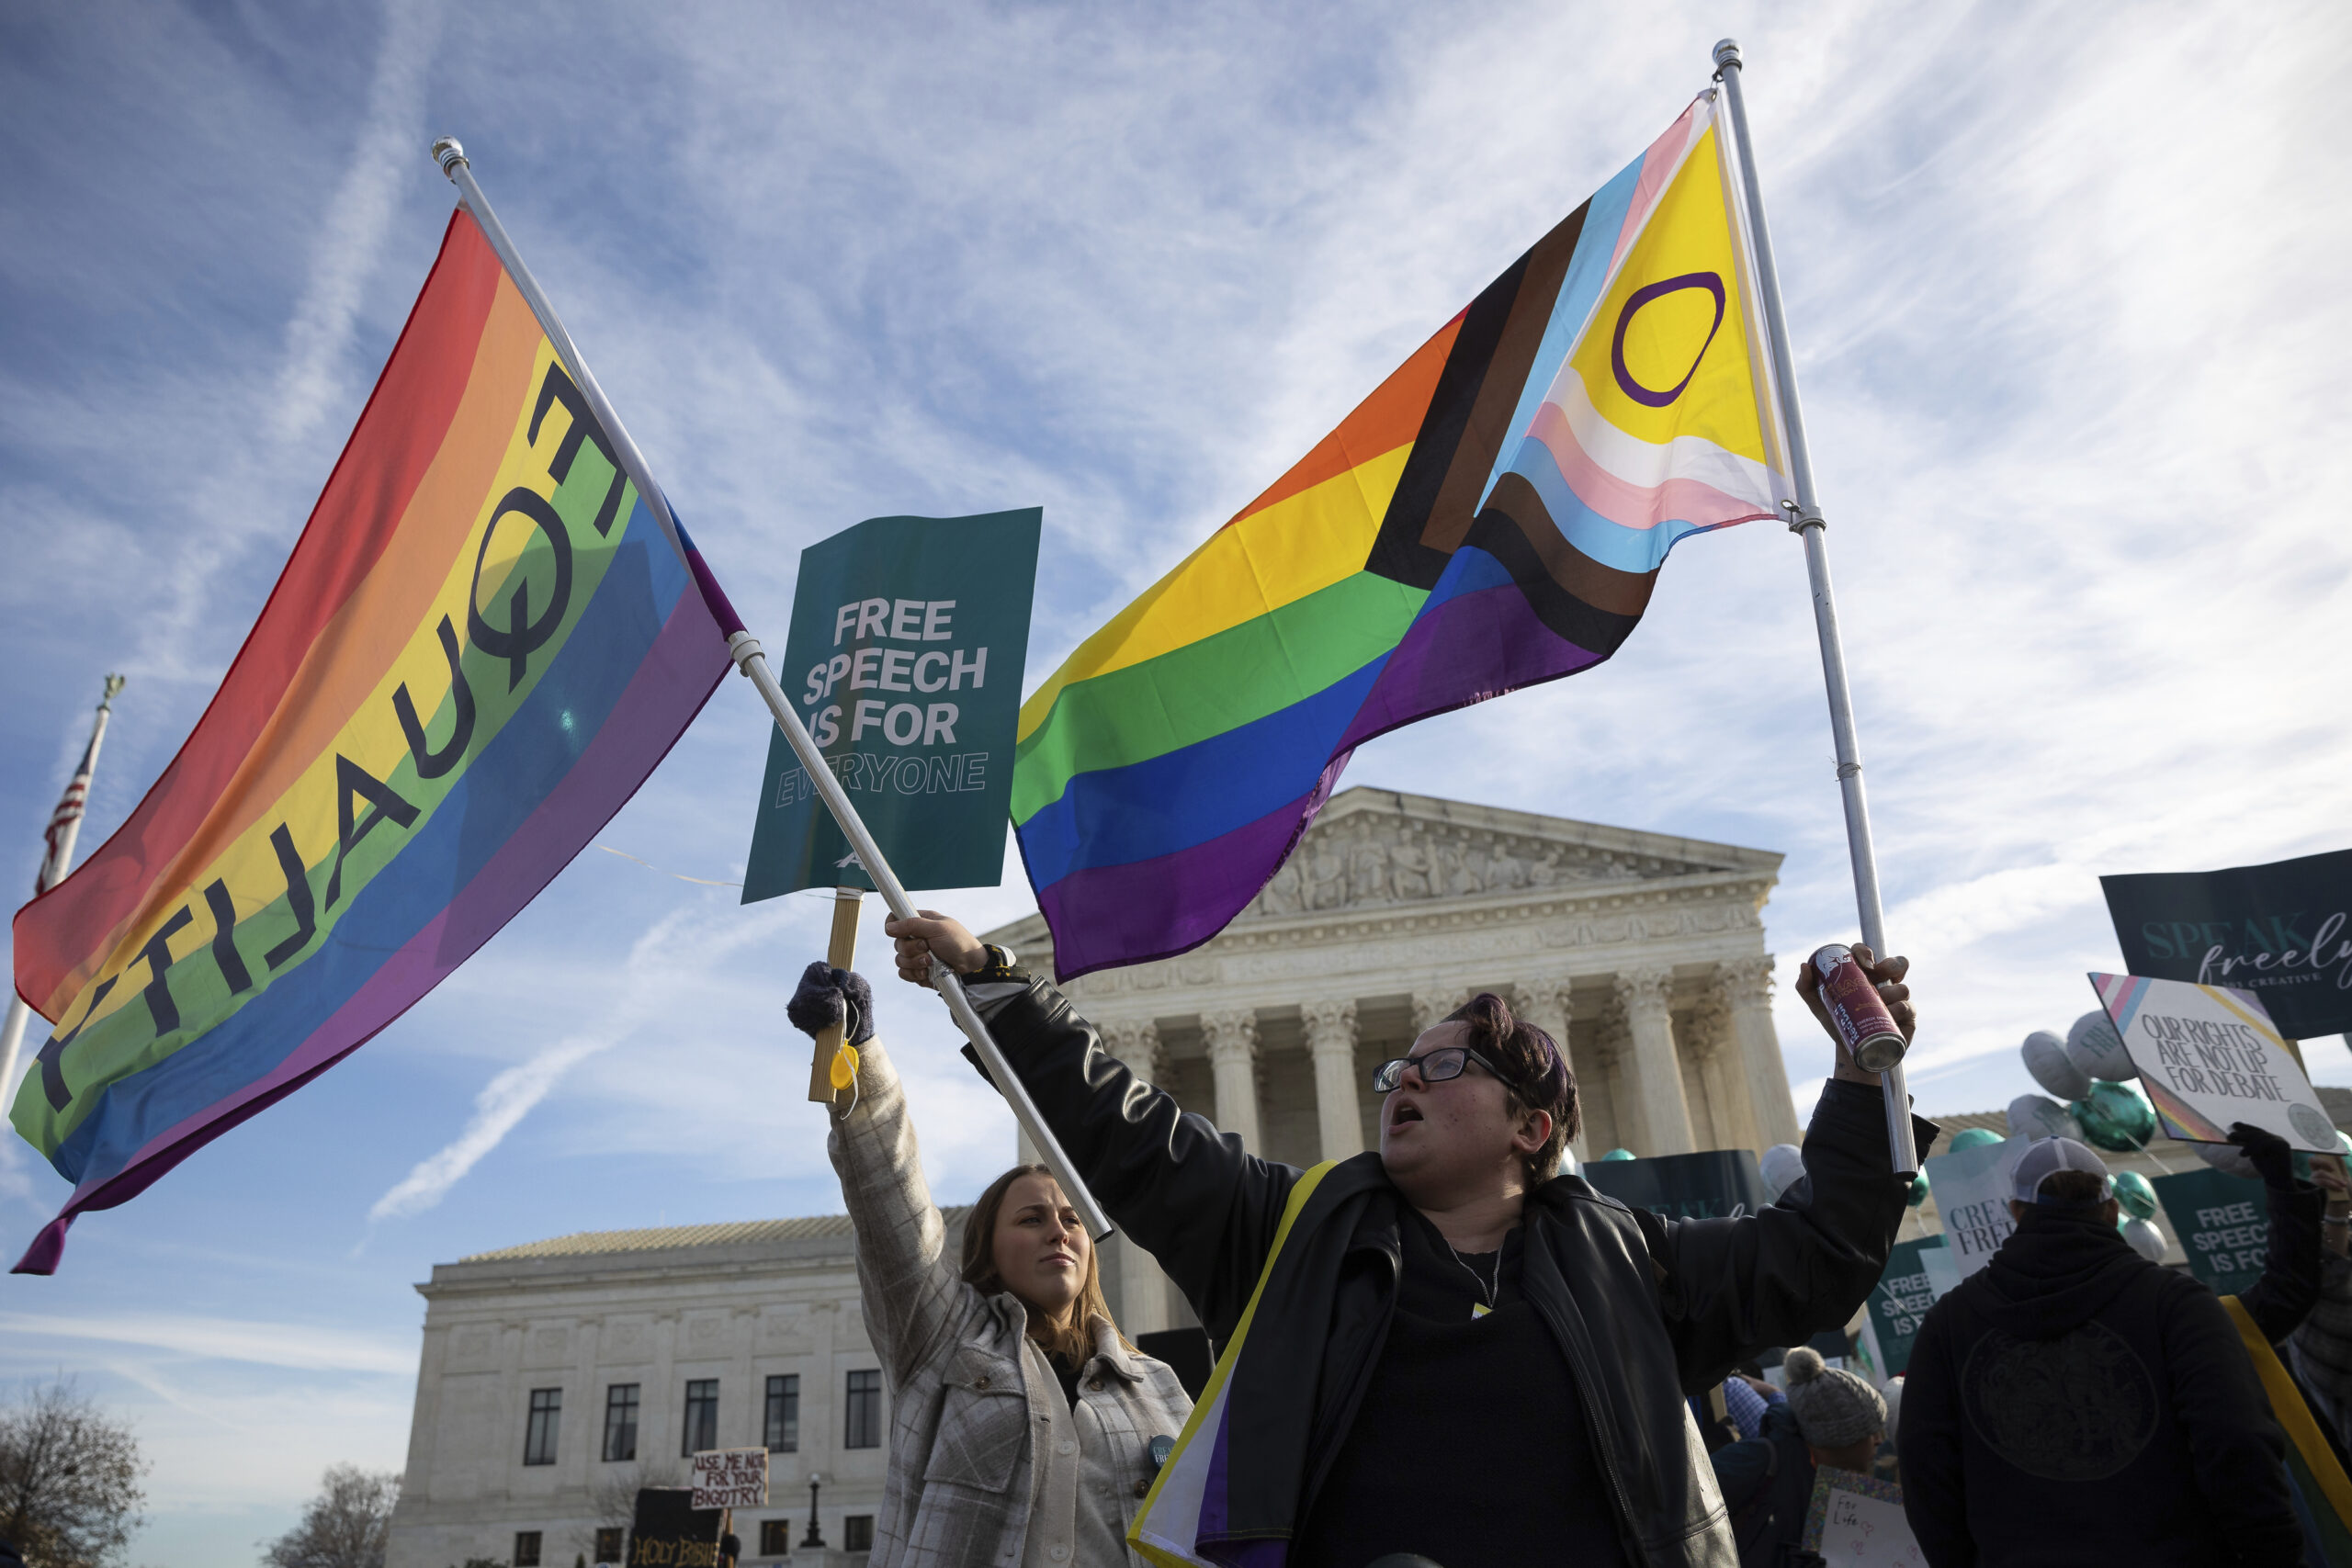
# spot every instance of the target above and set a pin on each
(608, 1544)
(701, 1417)
(538, 1437)
(865, 1427)
(858, 1532)
(776, 1538)
(784, 1415)
(527, 1548)
(620, 1423)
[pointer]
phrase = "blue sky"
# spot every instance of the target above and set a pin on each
(2066, 292)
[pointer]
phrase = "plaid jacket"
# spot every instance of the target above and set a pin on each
(973, 1402)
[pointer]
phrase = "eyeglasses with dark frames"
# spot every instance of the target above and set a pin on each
(1436, 1067)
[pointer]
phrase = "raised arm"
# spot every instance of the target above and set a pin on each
(1731, 1287)
(1188, 1195)
(908, 1284)
(2289, 1288)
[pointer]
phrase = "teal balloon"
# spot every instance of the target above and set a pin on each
(2139, 1199)
(1973, 1137)
(2115, 1116)
(1618, 1154)
(1918, 1190)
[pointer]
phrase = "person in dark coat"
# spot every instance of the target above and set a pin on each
(2072, 1403)
(1445, 1346)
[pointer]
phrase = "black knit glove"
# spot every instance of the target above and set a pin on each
(2266, 1151)
(829, 995)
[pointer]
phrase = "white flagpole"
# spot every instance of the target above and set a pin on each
(53, 866)
(753, 662)
(1809, 526)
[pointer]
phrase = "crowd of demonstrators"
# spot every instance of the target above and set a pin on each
(2072, 1402)
(1020, 1421)
(1444, 1347)
(1828, 1417)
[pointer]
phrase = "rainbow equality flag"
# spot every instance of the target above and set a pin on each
(1493, 514)
(484, 642)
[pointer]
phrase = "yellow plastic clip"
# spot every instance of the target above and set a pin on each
(844, 1068)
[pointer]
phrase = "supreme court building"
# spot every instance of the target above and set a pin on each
(1644, 952)
(557, 1375)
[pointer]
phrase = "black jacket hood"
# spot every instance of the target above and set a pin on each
(2057, 1271)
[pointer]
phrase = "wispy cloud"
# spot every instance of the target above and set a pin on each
(351, 234)
(666, 963)
(295, 1345)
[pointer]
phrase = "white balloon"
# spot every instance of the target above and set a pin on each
(2145, 1239)
(2227, 1159)
(2046, 1059)
(1781, 1166)
(2093, 1046)
(2033, 1116)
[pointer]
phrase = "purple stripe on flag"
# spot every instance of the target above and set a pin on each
(1172, 903)
(676, 678)
(1479, 645)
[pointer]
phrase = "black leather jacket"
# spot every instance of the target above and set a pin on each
(1646, 1309)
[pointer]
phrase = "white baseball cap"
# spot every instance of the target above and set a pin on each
(2045, 1158)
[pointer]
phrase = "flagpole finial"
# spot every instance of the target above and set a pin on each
(114, 684)
(1727, 54)
(448, 152)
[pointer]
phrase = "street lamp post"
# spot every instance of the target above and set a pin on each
(815, 1537)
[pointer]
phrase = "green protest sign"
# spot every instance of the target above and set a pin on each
(905, 659)
(2224, 1222)
(1900, 1301)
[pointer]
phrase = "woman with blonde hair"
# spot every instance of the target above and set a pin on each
(1020, 1420)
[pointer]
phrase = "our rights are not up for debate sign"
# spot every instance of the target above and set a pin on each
(905, 659)
(2209, 1057)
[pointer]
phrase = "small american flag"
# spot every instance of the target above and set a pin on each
(68, 812)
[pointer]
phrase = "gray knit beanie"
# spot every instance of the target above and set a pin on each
(1832, 1408)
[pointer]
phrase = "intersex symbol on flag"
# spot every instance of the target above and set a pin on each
(1493, 515)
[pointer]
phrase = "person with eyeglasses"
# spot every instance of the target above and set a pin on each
(1445, 1347)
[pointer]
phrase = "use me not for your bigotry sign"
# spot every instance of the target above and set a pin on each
(905, 661)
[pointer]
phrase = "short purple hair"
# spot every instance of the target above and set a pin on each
(1533, 1068)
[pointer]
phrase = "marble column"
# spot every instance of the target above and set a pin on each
(1232, 1040)
(1142, 1306)
(1339, 1104)
(1731, 1109)
(1745, 986)
(1653, 1067)
(1544, 1004)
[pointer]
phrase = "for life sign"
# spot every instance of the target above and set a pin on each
(2208, 1057)
(908, 639)
(731, 1478)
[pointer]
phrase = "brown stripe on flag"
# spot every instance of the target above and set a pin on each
(1469, 415)
(1603, 587)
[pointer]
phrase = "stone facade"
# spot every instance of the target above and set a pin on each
(656, 1310)
(1644, 951)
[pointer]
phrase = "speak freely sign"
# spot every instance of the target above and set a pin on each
(2224, 1222)
(2208, 1058)
(731, 1478)
(1972, 1193)
(905, 659)
(2281, 930)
